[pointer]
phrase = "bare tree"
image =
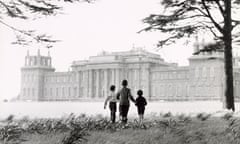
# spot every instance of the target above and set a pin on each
(184, 18)
(31, 9)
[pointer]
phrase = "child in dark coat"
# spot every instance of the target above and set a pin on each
(140, 103)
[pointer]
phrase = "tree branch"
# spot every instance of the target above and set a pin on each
(211, 29)
(220, 7)
(39, 38)
(220, 29)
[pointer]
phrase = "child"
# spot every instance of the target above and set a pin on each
(112, 103)
(140, 103)
(124, 95)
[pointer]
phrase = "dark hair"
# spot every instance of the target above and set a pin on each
(124, 82)
(112, 87)
(140, 92)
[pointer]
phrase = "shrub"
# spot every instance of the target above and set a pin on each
(234, 128)
(76, 136)
(10, 118)
(184, 118)
(166, 115)
(227, 116)
(203, 116)
(11, 134)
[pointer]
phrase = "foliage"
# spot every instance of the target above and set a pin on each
(86, 129)
(31, 10)
(168, 114)
(234, 129)
(184, 18)
(11, 133)
(227, 116)
(76, 136)
(203, 116)
(183, 117)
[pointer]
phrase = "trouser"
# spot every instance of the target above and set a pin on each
(113, 108)
(141, 113)
(123, 110)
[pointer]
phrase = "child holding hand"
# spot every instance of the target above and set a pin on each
(140, 103)
(112, 98)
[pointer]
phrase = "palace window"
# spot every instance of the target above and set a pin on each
(35, 60)
(80, 76)
(74, 77)
(200, 70)
(170, 89)
(207, 72)
(28, 92)
(196, 72)
(63, 92)
(24, 92)
(75, 91)
(69, 91)
(212, 72)
(174, 75)
(170, 75)
(81, 92)
(166, 75)
(56, 92)
(204, 73)
(50, 92)
(45, 92)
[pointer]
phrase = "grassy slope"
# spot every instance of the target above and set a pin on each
(196, 131)
(51, 138)
(211, 131)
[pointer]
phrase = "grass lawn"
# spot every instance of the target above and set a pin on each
(165, 129)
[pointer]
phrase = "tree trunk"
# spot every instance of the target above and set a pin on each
(227, 38)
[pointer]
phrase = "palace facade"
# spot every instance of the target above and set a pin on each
(90, 79)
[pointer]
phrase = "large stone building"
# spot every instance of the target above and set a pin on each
(90, 79)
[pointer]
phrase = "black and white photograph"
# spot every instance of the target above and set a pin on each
(119, 72)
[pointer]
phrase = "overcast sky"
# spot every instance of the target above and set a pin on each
(85, 30)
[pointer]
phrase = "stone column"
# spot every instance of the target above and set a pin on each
(80, 83)
(131, 79)
(136, 81)
(90, 84)
(50, 62)
(97, 84)
(117, 79)
(113, 77)
(85, 83)
(147, 81)
(140, 78)
(105, 83)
